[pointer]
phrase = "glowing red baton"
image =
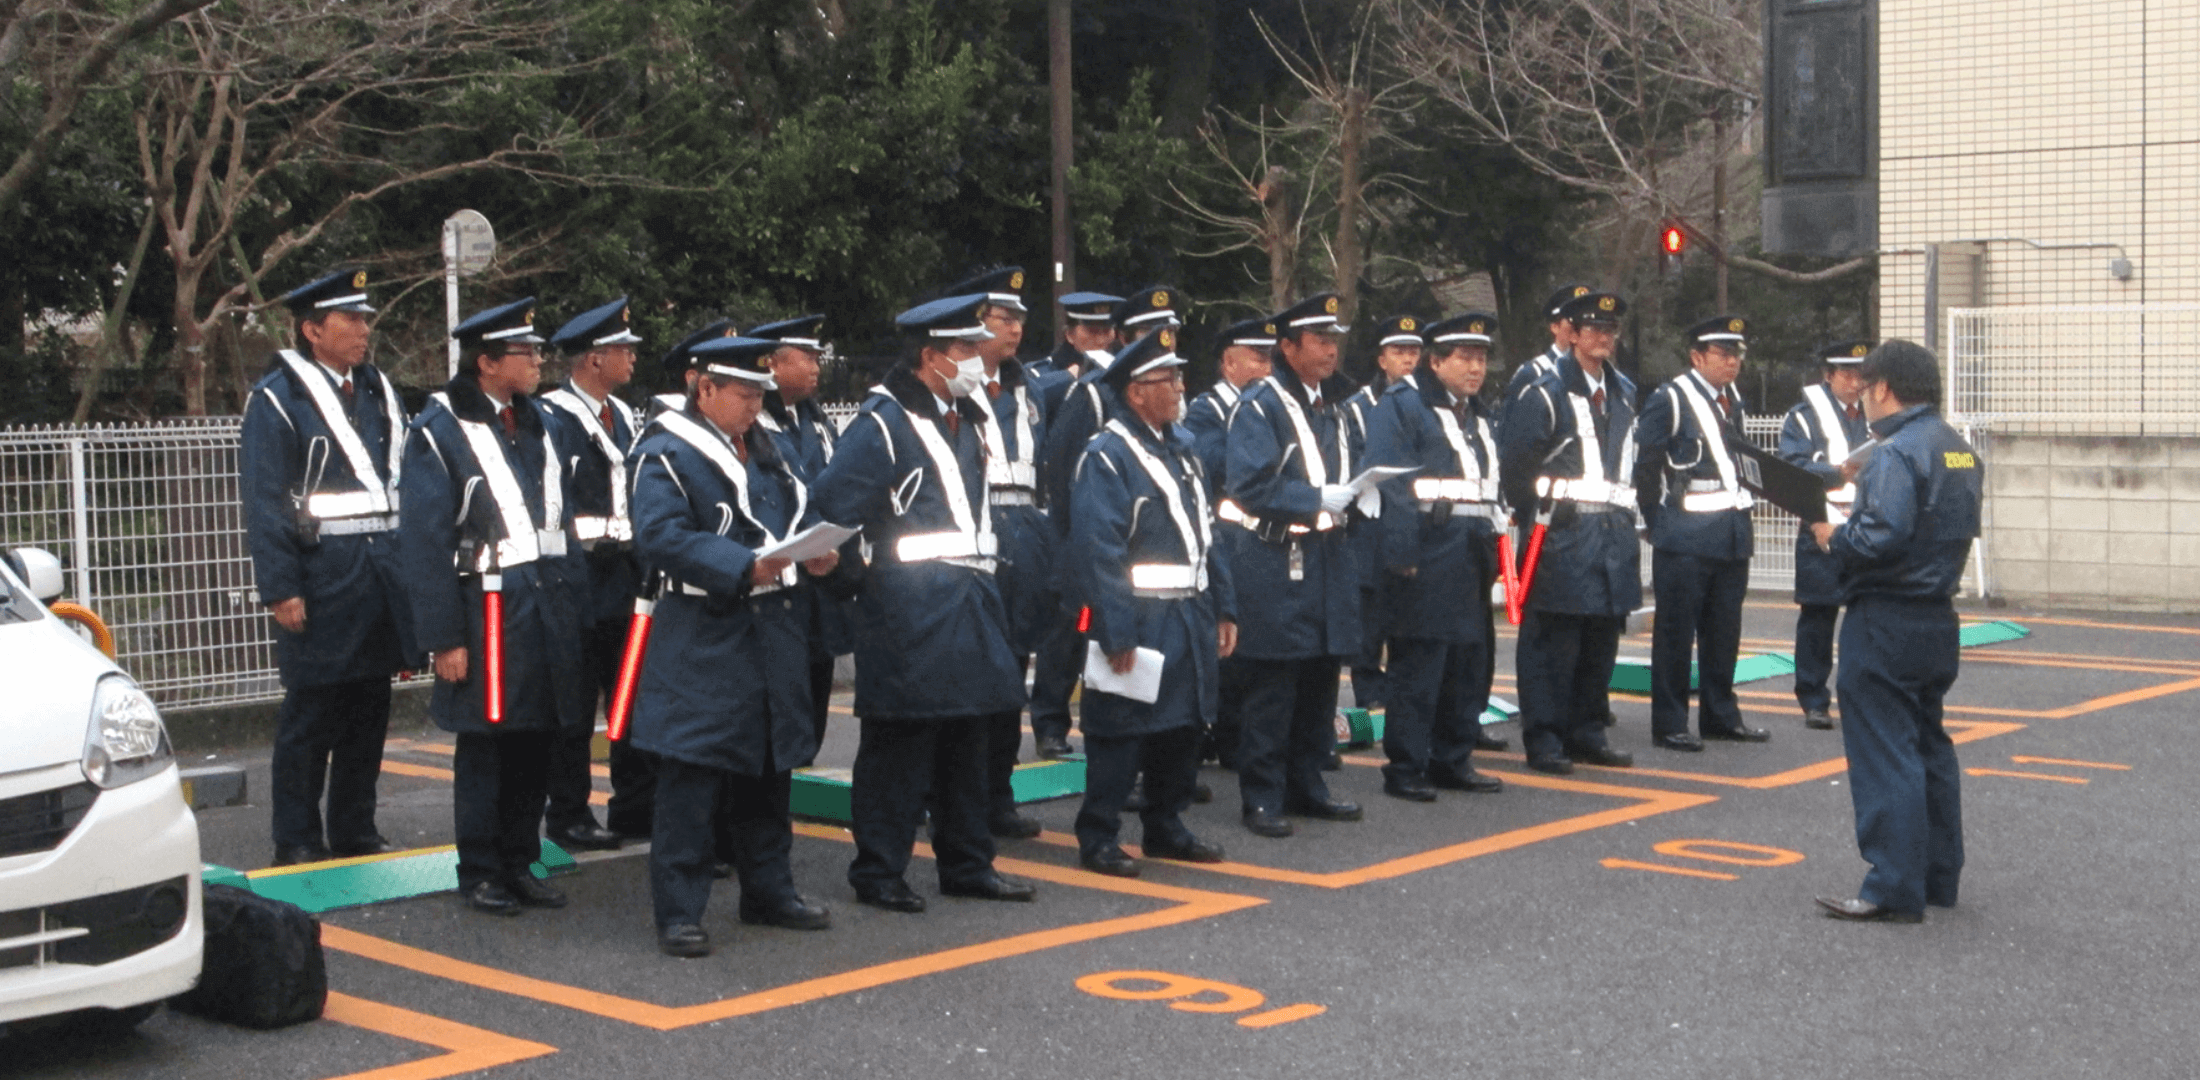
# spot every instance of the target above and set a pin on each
(630, 668)
(1547, 492)
(1511, 571)
(492, 646)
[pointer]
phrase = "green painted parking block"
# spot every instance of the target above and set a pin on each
(1631, 675)
(375, 879)
(1500, 711)
(825, 794)
(1991, 633)
(222, 875)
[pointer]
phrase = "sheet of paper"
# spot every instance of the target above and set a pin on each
(808, 544)
(1365, 482)
(1141, 683)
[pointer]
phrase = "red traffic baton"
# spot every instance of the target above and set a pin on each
(630, 666)
(1548, 492)
(1511, 572)
(492, 646)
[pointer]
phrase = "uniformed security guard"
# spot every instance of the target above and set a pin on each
(1014, 431)
(724, 700)
(1087, 405)
(1144, 547)
(805, 437)
(1292, 455)
(1245, 360)
(1088, 337)
(1562, 340)
(1566, 450)
(1819, 434)
(487, 511)
(675, 363)
(1398, 350)
(1691, 495)
(933, 664)
(1438, 557)
(598, 345)
(323, 438)
(1902, 554)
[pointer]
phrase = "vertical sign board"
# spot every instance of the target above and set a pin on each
(468, 245)
(1822, 137)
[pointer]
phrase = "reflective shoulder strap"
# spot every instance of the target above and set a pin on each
(721, 455)
(949, 472)
(1711, 431)
(324, 401)
(1310, 448)
(1469, 467)
(1585, 429)
(1829, 422)
(519, 545)
(996, 446)
(394, 408)
(593, 426)
(1195, 537)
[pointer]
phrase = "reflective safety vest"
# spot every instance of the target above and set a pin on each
(720, 453)
(590, 528)
(971, 542)
(1838, 449)
(1171, 580)
(374, 508)
(1729, 494)
(523, 541)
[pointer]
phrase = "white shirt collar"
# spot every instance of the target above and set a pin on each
(595, 407)
(1596, 382)
(946, 406)
(341, 379)
(1313, 393)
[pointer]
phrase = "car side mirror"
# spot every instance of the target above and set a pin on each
(40, 571)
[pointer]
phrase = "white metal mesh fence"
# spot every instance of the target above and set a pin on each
(1773, 565)
(2104, 369)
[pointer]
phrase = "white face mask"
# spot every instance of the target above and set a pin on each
(968, 377)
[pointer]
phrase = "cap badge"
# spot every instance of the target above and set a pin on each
(1604, 304)
(1329, 307)
(1016, 280)
(1161, 298)
(359, 280)
(1406, 325)
(1168, 338)
(1734, 326)
(1268, 328)
(1859, 350)
(623, 313)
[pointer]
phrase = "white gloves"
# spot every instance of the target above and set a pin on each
(1335, 497)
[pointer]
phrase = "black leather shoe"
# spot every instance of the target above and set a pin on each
(992, 887)
(588, 837)
(490, 897)
(1611, 719)
(1684, 742)
(1110, 860)
(353, 850)
(792, 913)
(1556, 766)
(1605, 756)
(1136, 800)
(1410, 790)
(892, 896)
(684, 940)
(1188, 849)
(1740, 734)
(1013, 825)
(1486, 741)
(1268, 823)
(1470, 781)
(297, 856)
(532, 893)
(1201, 793)
(1329, 810)
(1051, 747)
(1818, 719)
(1856, 910)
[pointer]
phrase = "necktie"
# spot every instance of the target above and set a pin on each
(1856, 412)
(1596, 400)
(741, 449)
(511, 422)
(993, 389)
(1726, 407)
(605, 416)
(345, 389)
(954, 423)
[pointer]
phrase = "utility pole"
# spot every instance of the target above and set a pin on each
(1718, 201)
(1065, 251)
(1352, 140)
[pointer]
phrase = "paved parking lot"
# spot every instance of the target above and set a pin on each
(1640, 923)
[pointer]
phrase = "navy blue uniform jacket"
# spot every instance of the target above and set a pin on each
(1123, 520)
(726, 683)
(1447, 597)
(545, 602)
(1671, 450)
(931, 636)
(1917, 510)
(1207, 420)
(1817, 573)
(1318, 615)
(358, 624)
(612, 576)
(1027, 539)
(1591, 563)
(805, 438)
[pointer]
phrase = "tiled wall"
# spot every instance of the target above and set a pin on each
(2094, 520)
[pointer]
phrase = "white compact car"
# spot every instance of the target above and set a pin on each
(99, 853)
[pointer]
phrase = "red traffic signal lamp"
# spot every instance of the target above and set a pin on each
(1672, 244)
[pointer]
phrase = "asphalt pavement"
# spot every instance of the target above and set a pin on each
(1625, 923)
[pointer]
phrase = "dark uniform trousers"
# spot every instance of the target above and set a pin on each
(821, 683)
(1565, 672)
(1699, 610)
(1004, 737)
(633, 785)
(1814, 655)
(507, 774)
(1438, 691)
(1289, 719)
(1056, 666)
(1230, 686)
(899, 763)
(1898, 659)
(1371, 683)
(329, 735)
(701, 812)
(1170, 762)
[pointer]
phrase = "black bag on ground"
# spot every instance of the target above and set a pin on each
(263, 965)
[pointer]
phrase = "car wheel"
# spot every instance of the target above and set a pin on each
(111, 1021)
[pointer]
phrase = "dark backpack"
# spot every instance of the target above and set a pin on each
(263, 966)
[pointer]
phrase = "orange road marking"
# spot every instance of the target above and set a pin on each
(1961, 731)
(2027, 775)
(1682, 871)
(1692, 849)
(2022, 759)
(2092, 625)
(1281, 1016)
(356, 860)
(1647, 802)
(468, 1049)
(1191, 905)
(430, 772)
(2126, 698)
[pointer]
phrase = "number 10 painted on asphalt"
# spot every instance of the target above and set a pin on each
(1188, 994)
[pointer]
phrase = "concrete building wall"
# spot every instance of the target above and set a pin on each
(2059, 123)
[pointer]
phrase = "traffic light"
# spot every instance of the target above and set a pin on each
(1672, 244)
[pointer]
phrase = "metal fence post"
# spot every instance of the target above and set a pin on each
(80, 519)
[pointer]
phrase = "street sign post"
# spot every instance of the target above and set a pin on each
(468, 245)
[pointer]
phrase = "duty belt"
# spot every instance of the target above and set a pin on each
(1011, 496)
(955, 548)
(358, 526)
(1167, 581)
(1272, 531)
(786, 580)
(1594, 496)
(598, 530)
(549, 544)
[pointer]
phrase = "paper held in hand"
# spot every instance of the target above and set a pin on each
(820, 539)
(1141, 683)
(1366, 482)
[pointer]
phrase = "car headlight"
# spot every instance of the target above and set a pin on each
(125, 742)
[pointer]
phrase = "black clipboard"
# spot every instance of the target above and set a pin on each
(1790, 487)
